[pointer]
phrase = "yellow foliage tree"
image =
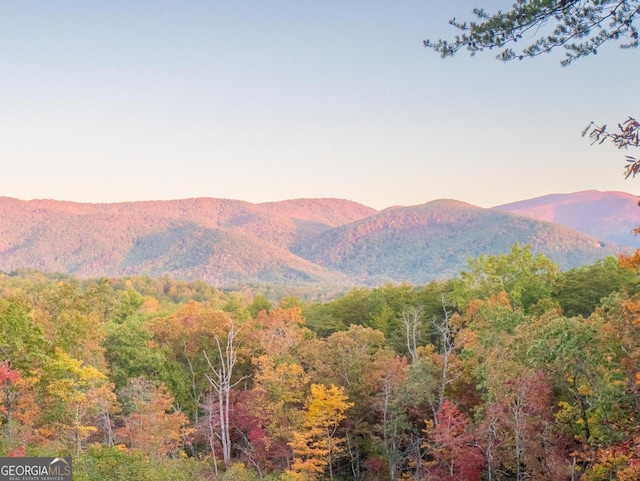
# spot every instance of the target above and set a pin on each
(318, 445)
(75, 393)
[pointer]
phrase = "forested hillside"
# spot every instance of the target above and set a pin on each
(433, 241)
(219, 241)
(511, 370)
(608, 216)
(304, 242)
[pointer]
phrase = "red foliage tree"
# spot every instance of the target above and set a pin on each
(455, 457)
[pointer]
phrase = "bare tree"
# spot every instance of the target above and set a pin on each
(447, 338)
(412, 320)
(221, 381)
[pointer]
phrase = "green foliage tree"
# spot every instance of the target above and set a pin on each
(22, 342)
(130, 351)
(259, 303)
(337, 315)
(580, 27)
(583, 358)
(525, 277)
(580, 290)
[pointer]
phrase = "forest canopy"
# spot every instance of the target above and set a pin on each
(512, 370)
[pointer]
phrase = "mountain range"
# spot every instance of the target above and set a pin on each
(306, 241)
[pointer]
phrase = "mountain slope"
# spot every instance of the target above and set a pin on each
(218, 240)
(609, 216)
(435, 240)
(313, 216)
(226, 242)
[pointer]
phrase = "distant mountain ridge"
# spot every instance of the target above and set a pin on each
(608, 216)
(321, 241)
(219, 241)
(435, 240)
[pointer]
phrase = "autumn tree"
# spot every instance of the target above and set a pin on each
(8, 377)
(20, 411)
(398, 403)
(352, 359)
(583, 359)
(518, 424)
(619, 318)
(449, 443)
(184, 337)
(276, 405)
(318, 444)
(273, 406)
(621, 314)
(151, 424)
(75, 393)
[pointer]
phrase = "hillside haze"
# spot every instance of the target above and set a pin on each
(318, 241)
(216, 240)
(435, 240)
(609, 216)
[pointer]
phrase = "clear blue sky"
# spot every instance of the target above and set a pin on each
(271, 100)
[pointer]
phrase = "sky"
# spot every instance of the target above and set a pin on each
(271, 100)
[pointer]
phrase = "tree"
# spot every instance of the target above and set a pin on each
(519, 408)
(275, 404)
(22, 342)
(152, 425)
(400, 399)
(8, 377)
(455, 457)
(260, 303)
(411, 318)
(583, 360)
(318, 445)
(581, 27)
(183, 337)
(130, 351)
(525, 277)
(271, 411)
(76, 393)
(221, 379)
(580, 290)
(626, 136)
(354, 359)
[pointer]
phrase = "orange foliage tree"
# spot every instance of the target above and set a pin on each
(152, 425)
